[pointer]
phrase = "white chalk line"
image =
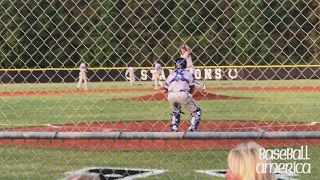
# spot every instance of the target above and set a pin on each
(271, 126)
(28, 125)
(18, 126)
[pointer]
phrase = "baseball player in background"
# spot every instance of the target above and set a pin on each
(186, 55)
(83, 76)
(157, 74)
(130, 74)
(179, 84)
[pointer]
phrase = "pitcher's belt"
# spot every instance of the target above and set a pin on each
(183, 90)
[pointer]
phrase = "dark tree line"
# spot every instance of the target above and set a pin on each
(113, 33)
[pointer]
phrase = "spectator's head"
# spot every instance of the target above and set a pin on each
(243, 162)
(84, 176)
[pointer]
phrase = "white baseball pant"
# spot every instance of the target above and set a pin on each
(83, 77)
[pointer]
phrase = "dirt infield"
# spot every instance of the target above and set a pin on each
(198, 95)
(70, 92)
(163, 126)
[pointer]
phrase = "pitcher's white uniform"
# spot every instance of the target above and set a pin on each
(190, 67)
(186, 55)
(83, 76)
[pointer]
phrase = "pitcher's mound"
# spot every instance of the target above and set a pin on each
(198, 95)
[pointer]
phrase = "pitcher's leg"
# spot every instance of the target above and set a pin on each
(79, 81)
(85, 80)
(197, 83)
(160, 83)
(155, 83)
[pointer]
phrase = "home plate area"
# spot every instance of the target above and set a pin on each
(113, 173)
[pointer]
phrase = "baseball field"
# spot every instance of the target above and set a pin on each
(227, 106)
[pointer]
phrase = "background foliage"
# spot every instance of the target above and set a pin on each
(112, 33)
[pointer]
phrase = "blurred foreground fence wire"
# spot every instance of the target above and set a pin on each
(258, 59)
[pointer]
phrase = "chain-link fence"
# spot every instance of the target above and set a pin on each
(257, 59)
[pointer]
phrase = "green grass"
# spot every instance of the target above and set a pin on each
(149, 84)
(42, 163)
(72, 86)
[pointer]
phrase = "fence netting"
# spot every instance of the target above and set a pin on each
(80, 91)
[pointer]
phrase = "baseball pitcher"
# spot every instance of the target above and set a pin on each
(186, 55)
(178, 85)
(83, 76)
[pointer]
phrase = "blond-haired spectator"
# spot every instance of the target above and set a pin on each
(83, 176)
(244, 163)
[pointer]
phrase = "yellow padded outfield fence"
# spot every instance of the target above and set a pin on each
(169, 67)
